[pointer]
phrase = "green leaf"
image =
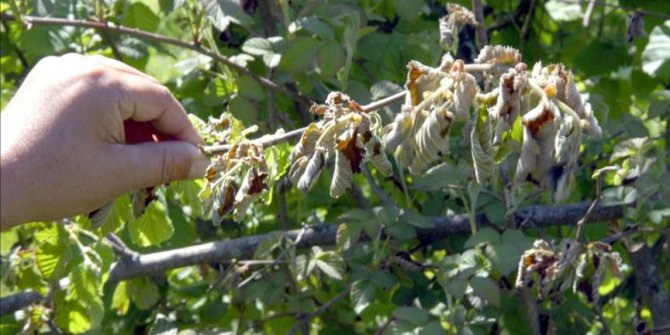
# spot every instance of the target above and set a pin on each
(483, 236)
(117, 217)
(362, 294)
(243, 109)
(121, 299)
(329, 59)
(153, 227)
(401, 230)
(313, 25)
(563, 11)
(143, 292)
(506, 254)
(262, 47)
(52, 260)
(163, 325)
(630, 147)
(415, 219)
(222, 12)
(330, 263)
(656, 55)
(487, 289)
(383, 89)
(299, 54)
(347, 235)
(80, 308)
(141, 17)
(656, 216)
(414, 315)
(250, 88)
(600, 58)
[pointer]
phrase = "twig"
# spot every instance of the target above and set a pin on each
(599, 188)
(478, 10)
(626, 8)
(322, 309)
(120, 248)
(526, 25)
(385, 198)
(586, 21)
(111, 27)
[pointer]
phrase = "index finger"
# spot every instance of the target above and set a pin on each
(147, 101)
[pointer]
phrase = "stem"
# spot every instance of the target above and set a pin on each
(481, 28)
(111, 27)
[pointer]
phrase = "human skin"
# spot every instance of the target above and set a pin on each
(63, 145)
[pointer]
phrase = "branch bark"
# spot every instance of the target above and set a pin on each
(110, 27)
(324, 235)
(650, 285)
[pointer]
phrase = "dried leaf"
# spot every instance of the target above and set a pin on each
(313, 170)
(342, 176)
(223, 203)
(305, 146)
(451, 24)
(140, 199)
(432, 139)
(297, 169)
(498, 54)
(420, 80)
(537, 150)
(464, 90)
(347, 144)
(252, 187)
(565, 159)
(399, 130)
(374, 153)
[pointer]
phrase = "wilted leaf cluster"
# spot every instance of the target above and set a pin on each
(346, 134)
(543, 105)
(235, 178)
(582, 268)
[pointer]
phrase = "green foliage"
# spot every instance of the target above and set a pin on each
(397, 282)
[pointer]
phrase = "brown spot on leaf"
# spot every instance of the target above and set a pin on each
(228, 201)
(351, 151)
(535, 125)
(258, 183)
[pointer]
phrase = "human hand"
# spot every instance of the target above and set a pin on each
(63, 139)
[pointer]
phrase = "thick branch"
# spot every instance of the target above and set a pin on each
(650, 285)
(18, 301)
(322, 235)
(110, 27)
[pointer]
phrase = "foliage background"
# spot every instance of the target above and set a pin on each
(461, 285)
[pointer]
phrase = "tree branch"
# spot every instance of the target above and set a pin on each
(650, 285)
(323, 235)
(111, 27)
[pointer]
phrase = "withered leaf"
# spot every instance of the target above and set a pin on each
(349, 148)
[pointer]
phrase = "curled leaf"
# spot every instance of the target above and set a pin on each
(432, 139)
(453, 22)
(537, 149)
(481, 146)
(223, 203)
(498, 54)
(399, 129)
(565, 159)
(420, 80)
(313, 170)
(297, 169)
(342, 176)
(508, 105)
(305, 146)
(374, 153)
(252, 187)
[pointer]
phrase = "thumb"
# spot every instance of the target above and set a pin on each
(155, 163)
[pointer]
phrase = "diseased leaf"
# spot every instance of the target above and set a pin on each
(481, 146)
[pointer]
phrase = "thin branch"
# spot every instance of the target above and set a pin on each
(478, 10)
(304, 321)
(111, 27)
(630, 9)
(385, 198)
(586, 21)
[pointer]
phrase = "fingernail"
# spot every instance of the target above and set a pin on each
(198, 167)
